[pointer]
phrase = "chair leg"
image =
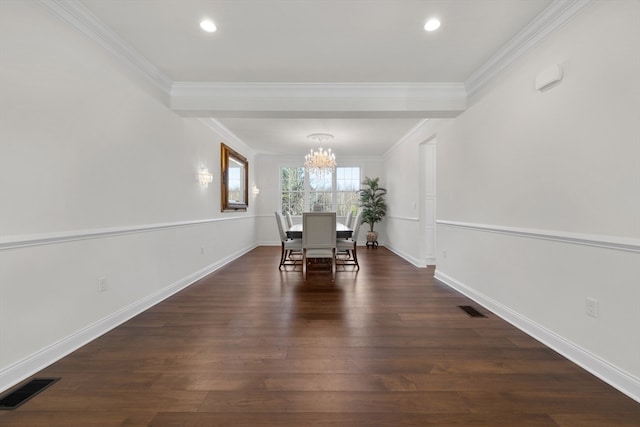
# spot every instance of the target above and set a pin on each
(282, 257)
(333, 266)
(355, 257)
(304, 264)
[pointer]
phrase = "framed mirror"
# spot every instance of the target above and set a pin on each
(235, 180)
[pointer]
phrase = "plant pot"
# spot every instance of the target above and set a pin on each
(372, 238)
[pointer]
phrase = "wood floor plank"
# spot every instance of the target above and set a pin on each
(332, 401)
(250, 345)
(347, 419)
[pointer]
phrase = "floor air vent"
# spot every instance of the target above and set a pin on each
(471, 311)
(24, 393)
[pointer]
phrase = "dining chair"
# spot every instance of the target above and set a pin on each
(319, 239)
(289, 246)
(349, 245)
(348, 219)
(287, 216)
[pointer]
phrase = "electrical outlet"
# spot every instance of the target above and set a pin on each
(102, 284)
(591, 307)
(444, 254)
(201, 250)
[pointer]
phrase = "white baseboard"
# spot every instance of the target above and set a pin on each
(30, 365)
(420, 263)
(617, 378)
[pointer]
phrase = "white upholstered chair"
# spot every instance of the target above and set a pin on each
(287, 216)
(319, 239)
(349, 245)
(349, 219)
(289, 246)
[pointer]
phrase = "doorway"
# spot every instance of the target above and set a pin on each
(427, 156)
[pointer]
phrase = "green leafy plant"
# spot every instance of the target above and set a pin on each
(372, 202)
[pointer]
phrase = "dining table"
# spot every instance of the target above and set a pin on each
(342, 231)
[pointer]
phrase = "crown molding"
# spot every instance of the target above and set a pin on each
(405, 137)
(75, 13)
(223, 131)
(554, 16)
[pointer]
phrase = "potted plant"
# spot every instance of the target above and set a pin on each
(373, 205)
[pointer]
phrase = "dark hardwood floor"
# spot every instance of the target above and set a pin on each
(386, 346)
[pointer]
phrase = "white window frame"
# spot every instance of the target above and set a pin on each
(307, 186)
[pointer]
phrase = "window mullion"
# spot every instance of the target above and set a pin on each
(307, 191)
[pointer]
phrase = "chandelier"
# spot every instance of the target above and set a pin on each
(320, 161)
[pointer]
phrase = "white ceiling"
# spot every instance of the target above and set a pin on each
(317, 41)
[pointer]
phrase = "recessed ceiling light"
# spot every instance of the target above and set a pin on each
(208, 25)
(432, 25)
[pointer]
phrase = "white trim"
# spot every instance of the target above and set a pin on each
(35, 362)
(600, 241)
(76, 14)
(319, 100)
(403, 218)
(553, 17)
(439, 91)
(55, 238)
(430, 261)
(409, 258)
(269, 243)
(223, 131)
(612, 375)
(405, 137)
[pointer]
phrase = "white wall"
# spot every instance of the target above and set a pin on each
(539, 194)
(97, 180)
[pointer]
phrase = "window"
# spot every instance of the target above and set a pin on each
(321, 192)
(292, 190)
(347, 186)
(302, 192)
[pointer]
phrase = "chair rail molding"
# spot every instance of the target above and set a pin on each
(69, 236)
(403, 218)
(601, 241)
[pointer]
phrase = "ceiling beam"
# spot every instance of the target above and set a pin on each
(319, 100)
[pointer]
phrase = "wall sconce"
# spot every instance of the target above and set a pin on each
(205, 177)
(255, 190)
